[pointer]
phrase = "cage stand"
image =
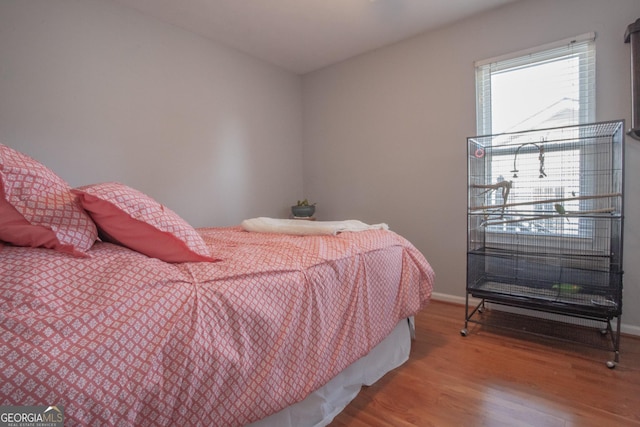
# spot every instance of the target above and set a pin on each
(614, 335)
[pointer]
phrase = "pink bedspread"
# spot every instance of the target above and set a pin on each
(122, 339)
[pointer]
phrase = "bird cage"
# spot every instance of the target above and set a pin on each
(545, 218)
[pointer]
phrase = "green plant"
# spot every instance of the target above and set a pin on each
(305, 202)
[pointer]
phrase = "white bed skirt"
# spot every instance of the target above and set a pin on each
(320, 407)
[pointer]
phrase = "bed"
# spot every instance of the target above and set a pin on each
(260, 328)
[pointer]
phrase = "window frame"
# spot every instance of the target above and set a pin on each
(582, 46)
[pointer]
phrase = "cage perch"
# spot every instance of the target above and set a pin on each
(539, 217)
(539, 202)
(503, 186)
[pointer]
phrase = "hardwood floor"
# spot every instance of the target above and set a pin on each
(497, 378)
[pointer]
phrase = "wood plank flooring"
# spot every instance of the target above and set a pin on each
(497, 378)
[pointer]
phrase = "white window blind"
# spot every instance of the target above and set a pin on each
(547, 86)
(544, 87)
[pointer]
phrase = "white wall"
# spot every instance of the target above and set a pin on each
(99, 92)
(385, 133)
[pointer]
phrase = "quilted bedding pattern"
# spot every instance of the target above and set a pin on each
(123, 339)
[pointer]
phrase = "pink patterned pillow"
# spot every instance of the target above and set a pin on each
(37, 208)
(130, 218)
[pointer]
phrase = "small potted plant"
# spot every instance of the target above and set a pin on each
(303, 209)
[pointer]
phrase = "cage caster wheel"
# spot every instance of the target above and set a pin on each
(480, 310)
(464, 332)
(603, 332)
(611, 364)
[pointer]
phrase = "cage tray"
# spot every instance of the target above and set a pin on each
(587, 303)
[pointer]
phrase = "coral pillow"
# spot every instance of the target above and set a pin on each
(37, 208)
(130, 218)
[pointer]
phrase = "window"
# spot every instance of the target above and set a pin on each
(548, 86)
(545, 87)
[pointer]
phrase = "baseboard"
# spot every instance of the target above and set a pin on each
(630, 329)
(454, 299)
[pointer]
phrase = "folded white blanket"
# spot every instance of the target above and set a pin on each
(307, 228)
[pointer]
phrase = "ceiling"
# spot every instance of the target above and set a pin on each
(305, 35)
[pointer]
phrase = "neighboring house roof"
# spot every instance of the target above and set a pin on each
(560, 113)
